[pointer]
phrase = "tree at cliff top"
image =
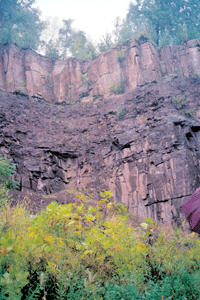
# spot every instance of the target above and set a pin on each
(74, 42)
(66, 41)
(106, 42)
(50, 45)
(20, 23)
(166, 22)
(123, 31)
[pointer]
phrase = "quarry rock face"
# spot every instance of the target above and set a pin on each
(120, 69)
(143, 145)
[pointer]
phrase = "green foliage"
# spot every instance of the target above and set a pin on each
(4, 197)
(175, 71)
(52, 49)
(78, 44)
(121, 112)
(180, 101)
(105, 43)
(74, 42)
(166, 22)
(113, 88)
(63, 240)
(196, 74)
(120, 56)
(123, 32)
(190, 111)
(78, 251)
(90, 50)
(22, 86)
(7, 169)
(20, 23)
(63, 42)
(119, 89)
(143, 36)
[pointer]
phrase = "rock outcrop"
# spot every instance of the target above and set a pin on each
(73, 80)
(143, 145)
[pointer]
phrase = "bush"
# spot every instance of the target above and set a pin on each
(77, 251)
(180, 286)
(180, 102)
(143, 37)
(120, 56)
(190, 112)
(7, 169)
(121, 112)
(119, 89)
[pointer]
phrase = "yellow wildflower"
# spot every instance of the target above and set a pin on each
(48, 239)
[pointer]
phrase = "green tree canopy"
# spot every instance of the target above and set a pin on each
(105, 43)
(20, 23)
(166, 22)
(123, 31)
(74, 42)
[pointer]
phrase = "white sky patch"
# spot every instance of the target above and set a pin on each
(95, 17)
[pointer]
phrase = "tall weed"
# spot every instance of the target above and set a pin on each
(76, 251)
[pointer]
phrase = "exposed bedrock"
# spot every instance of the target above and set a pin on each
(124, 68)
(143, 145)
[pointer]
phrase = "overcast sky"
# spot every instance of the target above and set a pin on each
(95, 17)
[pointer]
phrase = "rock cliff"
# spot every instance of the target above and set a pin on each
(121, 69)
(142, 144)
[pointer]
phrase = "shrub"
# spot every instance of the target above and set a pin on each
(7, 169)
(75, 251)
(190, 111)
(121, 112)
(179, 101)
(119, 89)
(196, 74)
(63, 240)
(143, 37)
(120, 56)
(22, 85)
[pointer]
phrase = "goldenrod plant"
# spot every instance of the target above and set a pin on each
(83, 251)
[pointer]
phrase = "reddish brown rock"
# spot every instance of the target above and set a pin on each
(141, 145)
(73, 80)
